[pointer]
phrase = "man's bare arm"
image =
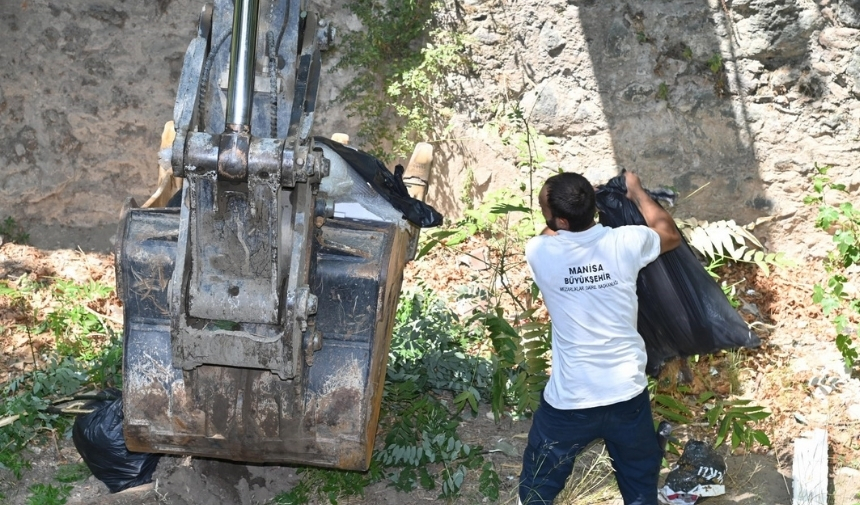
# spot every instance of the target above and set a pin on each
(655, 216)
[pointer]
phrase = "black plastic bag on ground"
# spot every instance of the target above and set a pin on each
(700, 472)
(99, 439)
(682, 310)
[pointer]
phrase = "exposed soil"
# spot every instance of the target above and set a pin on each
(797, 346)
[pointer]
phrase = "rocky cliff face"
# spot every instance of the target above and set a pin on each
(84, 92)
(732, 102)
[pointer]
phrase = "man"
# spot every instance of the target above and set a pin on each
(598, 388)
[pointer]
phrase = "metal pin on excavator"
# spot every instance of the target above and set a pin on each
(258, 312)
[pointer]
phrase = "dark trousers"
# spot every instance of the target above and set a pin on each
(558, 436)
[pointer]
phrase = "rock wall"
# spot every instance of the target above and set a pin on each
(730, 102)
(84, 93)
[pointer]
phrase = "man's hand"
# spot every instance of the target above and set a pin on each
(634, 185)
(655, 216)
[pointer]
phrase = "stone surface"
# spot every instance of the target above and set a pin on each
(732, 103)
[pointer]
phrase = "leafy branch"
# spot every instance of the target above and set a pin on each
(719, 241)
(842, 221)
(400, 58)
(732, 420)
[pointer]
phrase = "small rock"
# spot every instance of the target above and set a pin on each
(821, 391)
(551, 40)
(750, 308)
(505, 448)
(840, 38)
(822, 68)
(849, 472)
(849, 15)
(486, 37)
(465, 307)
(853, 412)
(476, 260)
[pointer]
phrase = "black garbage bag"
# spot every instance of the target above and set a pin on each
(99, 440)
(389, 185)
(698, 473)
(682, 310)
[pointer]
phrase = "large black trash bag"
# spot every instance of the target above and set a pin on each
(99, 440)
(389, 185)
(682, 310)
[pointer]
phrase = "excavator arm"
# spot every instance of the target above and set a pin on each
(259, 312)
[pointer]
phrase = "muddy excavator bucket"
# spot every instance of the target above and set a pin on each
(259, 312)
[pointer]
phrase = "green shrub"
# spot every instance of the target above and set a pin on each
(11, 231)
(842, 220)
(400, 58)
(87, 354)
(46, 494)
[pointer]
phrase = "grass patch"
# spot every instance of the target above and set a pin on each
(85, 354)
(72, 472)
(47, 494)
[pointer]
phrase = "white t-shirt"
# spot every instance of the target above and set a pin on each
(588, 282)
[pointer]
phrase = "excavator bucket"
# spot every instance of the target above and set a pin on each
(259, 308)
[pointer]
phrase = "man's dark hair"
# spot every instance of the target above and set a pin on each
(570, 196)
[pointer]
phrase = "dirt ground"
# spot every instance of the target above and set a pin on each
(797, 346)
